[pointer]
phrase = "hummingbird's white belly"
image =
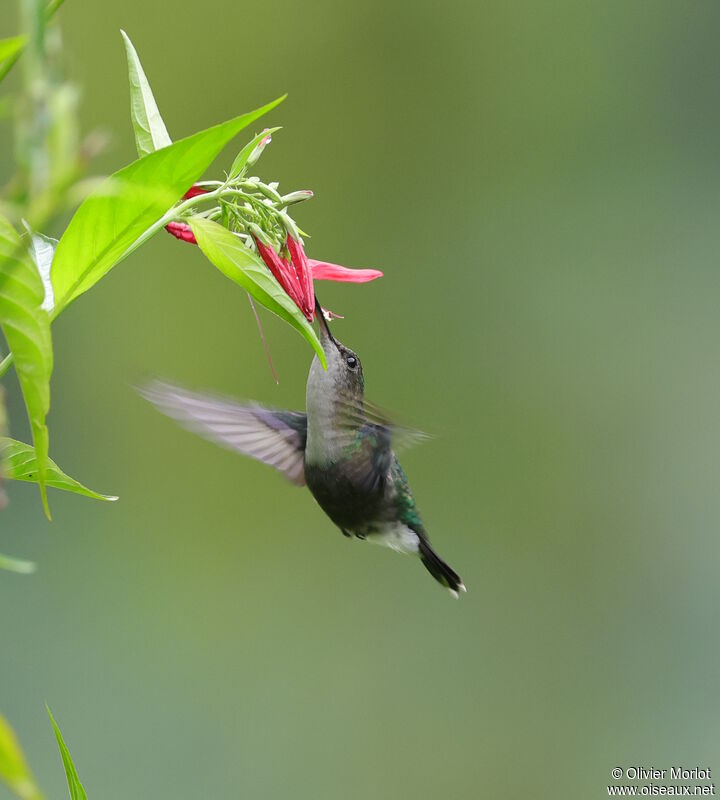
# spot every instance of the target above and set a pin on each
(397, 537)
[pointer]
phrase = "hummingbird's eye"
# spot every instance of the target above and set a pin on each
(351, 362)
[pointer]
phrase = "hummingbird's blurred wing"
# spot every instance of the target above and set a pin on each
(274, 437)
(391, 433)
(370, 441)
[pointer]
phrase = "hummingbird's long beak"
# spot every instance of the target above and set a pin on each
(326, 336)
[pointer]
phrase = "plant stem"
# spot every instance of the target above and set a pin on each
(6, 363)
(174, 214)
(53, 6)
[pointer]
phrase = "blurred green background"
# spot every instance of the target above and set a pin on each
(541, 185)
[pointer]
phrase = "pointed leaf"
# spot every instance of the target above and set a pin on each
(42, 251)
(76, 788)
(27, 330)
(14, 769)
(18, 463)
(110, 224)
(242, 157)
(22, 568)
(10, 50)
(227, 252)
(150, 131)
(11, 46)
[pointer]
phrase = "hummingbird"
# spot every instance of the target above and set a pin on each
(341, 448)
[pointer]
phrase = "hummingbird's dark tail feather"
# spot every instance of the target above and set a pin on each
(440, 570)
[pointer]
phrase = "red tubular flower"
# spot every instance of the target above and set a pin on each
(296, 276)
(194, 191)
(285, 275)
(304, 275)
(182, 231)
(324, 271)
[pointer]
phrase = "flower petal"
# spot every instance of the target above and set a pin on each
(194, 191)
(324, 271)
(257, 152)
(304, 275)
(182, 231)
(283, 272)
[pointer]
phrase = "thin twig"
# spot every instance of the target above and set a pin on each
(262, 336)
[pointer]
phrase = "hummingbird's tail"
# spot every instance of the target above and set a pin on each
(440, 570)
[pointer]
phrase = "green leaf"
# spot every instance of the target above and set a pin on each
(242, 157)
(73, 781)
(150, 131)
(27, 331)
(119, 216)
(227, 252)
(22, 568)
(10, 51)
(11, 47)
(14, 769)
(18, 463)
(42, 251)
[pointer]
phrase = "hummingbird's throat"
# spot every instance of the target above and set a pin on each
(325, 440)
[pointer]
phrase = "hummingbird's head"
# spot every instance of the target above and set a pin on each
(343, 379)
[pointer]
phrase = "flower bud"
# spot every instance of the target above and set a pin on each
(182, 231)
(296, 197)
(269, 192)
(258, 151)
(194, 191)
(259, 234)
(290, 227)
